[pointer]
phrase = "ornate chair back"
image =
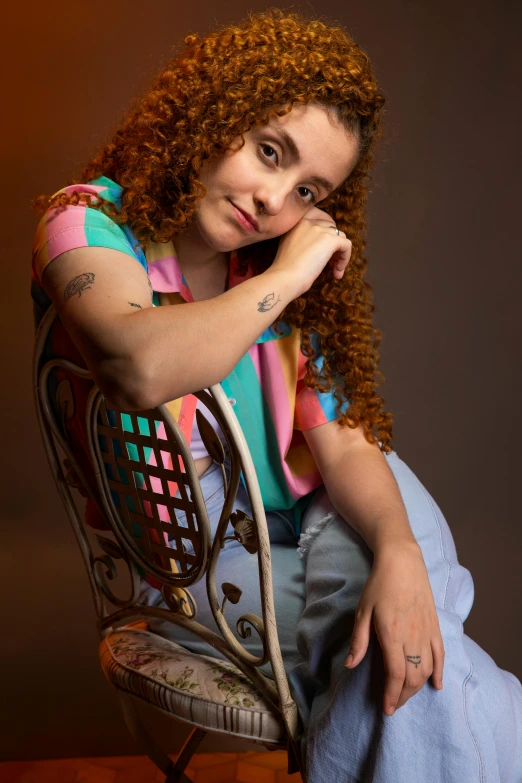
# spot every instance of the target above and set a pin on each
(135, 470)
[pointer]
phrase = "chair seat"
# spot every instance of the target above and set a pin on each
(205, 691)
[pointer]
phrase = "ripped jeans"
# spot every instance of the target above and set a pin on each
(470, 732)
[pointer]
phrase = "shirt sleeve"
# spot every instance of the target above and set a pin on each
(75, 226)
(313, 407)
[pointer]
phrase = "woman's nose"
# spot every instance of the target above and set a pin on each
(271, 203)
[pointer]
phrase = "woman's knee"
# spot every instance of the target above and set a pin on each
(451, 583)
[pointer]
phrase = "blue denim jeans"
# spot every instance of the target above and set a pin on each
(469, 732)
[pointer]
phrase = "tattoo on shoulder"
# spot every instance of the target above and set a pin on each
(133, 304)
(78, 284)
(268, 303)
(150, 287)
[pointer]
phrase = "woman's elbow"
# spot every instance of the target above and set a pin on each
(125, 387)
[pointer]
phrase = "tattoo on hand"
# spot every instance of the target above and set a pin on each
(133, 304)
(267, 303)
(78, 284)
(415, 659)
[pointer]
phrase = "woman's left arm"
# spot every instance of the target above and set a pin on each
(397, 596)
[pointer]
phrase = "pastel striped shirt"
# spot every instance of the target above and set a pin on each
(272, 403)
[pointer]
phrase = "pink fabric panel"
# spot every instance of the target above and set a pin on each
(165, 275)
(308, 410)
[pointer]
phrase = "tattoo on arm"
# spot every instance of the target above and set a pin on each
(133, 304)
(267, 303)
(150, 287)
(78, 284)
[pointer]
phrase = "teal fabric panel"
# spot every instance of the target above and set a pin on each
(256, 422)
(101, 231)
(119, 236)
(271, 334)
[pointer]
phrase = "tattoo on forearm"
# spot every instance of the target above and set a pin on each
(78, 284)
(267, 303)
(415, 659)
(133, 304)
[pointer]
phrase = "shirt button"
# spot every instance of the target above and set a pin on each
(231, 400)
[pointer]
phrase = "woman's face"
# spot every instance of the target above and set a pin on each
(275, 181)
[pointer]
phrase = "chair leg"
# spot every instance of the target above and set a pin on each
(176, 774)
(156, 754)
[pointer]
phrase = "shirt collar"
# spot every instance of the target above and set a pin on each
(165, 272)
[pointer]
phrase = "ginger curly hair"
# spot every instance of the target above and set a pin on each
(209, 94)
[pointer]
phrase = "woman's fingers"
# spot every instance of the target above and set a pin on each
(360, 638)
(437, 649)
(394, 664)
(340, 259)
(419, 666)
(407, 668)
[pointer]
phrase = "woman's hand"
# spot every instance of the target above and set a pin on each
(398, 598)
(309, 246)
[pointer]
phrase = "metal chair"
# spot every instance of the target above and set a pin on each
(130, 473)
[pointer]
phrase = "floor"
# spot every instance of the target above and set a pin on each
(251, 767)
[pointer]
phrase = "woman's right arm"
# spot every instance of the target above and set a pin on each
(141, 356)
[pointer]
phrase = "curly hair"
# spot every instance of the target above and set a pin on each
(214, 91)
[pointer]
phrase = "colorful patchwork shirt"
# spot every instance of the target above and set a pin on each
(272, 403)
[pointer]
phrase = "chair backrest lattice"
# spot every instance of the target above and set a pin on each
(143, 466)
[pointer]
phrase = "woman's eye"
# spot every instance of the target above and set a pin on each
(310, 192)
(267, 146)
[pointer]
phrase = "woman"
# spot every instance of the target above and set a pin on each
(212, 185)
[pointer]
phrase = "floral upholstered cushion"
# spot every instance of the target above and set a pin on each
(208, 692)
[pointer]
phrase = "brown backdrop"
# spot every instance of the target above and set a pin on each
(444, 261)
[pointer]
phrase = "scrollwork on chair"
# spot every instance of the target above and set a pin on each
(112, 553)
(100, 568)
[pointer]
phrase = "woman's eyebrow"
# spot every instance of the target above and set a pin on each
(294, 152)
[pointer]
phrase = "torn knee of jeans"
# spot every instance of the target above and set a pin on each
(307, 539)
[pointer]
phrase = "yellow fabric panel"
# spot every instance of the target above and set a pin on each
(300, 461)
(154, 251)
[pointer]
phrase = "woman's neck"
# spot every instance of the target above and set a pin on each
(195, 257)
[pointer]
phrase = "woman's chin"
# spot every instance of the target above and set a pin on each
(228, 243)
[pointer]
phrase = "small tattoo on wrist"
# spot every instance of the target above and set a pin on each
(78, 284)
(267, 303)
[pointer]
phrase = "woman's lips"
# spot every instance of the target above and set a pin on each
(242, 220)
